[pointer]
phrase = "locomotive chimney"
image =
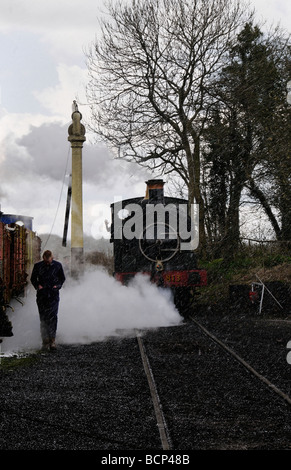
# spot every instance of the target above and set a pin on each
(155, 191)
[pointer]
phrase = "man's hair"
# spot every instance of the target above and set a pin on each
(47, 254)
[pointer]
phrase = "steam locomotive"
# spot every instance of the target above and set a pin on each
(146, 233)
(19, 250)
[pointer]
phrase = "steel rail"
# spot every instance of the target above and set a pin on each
(161, 422)
(266, 381)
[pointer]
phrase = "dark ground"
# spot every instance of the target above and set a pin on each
(96, 396)
(210, 401)
(83, 397)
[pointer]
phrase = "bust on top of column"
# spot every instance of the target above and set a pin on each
(76, 129)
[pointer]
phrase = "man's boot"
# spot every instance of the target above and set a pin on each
(53, 346)
(45, 345)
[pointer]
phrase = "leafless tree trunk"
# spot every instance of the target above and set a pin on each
(150, 81)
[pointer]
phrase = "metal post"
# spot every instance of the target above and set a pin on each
(262, 298)
(67, 213)
(263, 290)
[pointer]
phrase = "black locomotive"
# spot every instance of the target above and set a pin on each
(147, 239)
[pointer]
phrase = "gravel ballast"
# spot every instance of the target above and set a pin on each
(96, 396)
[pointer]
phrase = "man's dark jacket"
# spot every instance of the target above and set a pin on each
(48, 276)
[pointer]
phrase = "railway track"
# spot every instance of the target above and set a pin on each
(244, 363)
(161, 422)
(175, 388)
(159, 397)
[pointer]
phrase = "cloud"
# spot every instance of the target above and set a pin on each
(45, 150)
(49, 16)
(72, 81)
(28, 67)
(19, 124)
(47, 147)
(66, 26)
(33, 166)
(273, 11)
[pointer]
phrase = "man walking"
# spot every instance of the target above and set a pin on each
(47, 278)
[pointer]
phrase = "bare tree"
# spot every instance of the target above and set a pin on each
(150, 81)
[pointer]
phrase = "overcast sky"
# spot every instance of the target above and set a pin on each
(43, 68)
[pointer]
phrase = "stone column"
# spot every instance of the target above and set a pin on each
(77, 138)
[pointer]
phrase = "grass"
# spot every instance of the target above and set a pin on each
(269, 265)
(14, 362)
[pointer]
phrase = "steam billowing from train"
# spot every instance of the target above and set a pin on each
(100, 306)
(94, 309)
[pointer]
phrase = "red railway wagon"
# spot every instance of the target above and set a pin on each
(19, 250)
(5, 244)
(18, 273)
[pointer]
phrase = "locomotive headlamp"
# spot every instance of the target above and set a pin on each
(159, 266)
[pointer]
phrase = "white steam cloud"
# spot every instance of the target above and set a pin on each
(94, 309)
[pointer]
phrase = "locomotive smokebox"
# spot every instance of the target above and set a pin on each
(155, 191)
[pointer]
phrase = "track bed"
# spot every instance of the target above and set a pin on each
(97, 396)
